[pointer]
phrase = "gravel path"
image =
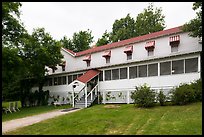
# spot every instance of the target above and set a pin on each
(21, 122)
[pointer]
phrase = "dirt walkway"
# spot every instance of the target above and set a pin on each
(21, 122)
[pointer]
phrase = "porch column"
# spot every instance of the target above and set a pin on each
(73, 97)
(86, 95)
(97, 90)
(128, 97)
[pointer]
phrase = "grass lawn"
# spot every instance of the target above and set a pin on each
(123, 119)
(29, 111)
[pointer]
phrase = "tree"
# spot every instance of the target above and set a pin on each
(104, 40)
(123, 29)
(150, 20)
(79, 42)
(41, 50)
(194, 26)
(13, 35)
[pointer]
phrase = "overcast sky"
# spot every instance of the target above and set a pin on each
(65, 18)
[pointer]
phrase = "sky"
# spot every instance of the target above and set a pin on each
(65, 18)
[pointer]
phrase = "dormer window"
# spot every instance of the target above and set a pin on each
(150, 48)
(128, 50)
(87, 58)
(174, 42)
(107, 55)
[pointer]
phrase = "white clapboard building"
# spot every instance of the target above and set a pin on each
(162, 60)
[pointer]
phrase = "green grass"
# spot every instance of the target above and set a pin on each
(29, 111)
(127, 120)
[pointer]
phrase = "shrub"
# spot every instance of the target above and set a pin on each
(197, 88)
(161, 98)
(143, 96)
(183, 94)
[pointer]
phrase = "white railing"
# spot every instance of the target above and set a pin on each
(78, 95)
(94, 91)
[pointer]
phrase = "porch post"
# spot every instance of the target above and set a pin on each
(73, 97)
(86, 95)
(128, 97)
(97, 90)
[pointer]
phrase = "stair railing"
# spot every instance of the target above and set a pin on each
(79, 95)
(92, 92)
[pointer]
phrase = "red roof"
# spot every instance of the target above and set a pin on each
(88, 75)
(129, 41)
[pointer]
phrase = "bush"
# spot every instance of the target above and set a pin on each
(197, 88)
(161, 98)
(182, 95)
(143, 96)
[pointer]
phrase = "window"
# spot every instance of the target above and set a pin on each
(74, 77)
(101, 76)
(150, 52)
(55, 81)
(133, 72)
(59, 82)
(78, 75)
(178, 67)
(69, 79)
(165, 68)
(53, 70)
(129, 55)
(63, 68)
(107, 74)
(153, 69)
(191, 65)
(50, 81)
(174, 49)
(108, 59)
(64, 80)
(115, 74)
(143, 71)
(123, 73)
(88, 63)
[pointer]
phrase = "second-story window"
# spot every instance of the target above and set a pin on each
(174, 42)
(128, 50)
(107, 55)
(150, 48)
(87, 58)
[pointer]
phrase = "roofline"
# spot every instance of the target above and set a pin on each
(127, 41)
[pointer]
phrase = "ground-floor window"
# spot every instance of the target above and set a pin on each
(191, 65)
(153, 69)
(165, 68)
(143, 71)
(123, 73)
(107, 74)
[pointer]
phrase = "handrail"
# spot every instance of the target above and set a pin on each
(80, 91)
(92, 90)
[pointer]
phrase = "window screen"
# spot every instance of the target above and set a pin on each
(123, 73)
(143, 71)
(174, 48)
(74, 77)
(107, 74)
(78, 75)
(153, 69)
(59, 81)
(55, 81)
(165, 68)
(50, 81)
(64, 80)
(191, 65)
(108, 59)
(69, 79)
(101, 76)
(115, 74)
(178, 67)
(150, 52)
(133, 72)
(88, 63)
(129, 56)
(63, 68)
